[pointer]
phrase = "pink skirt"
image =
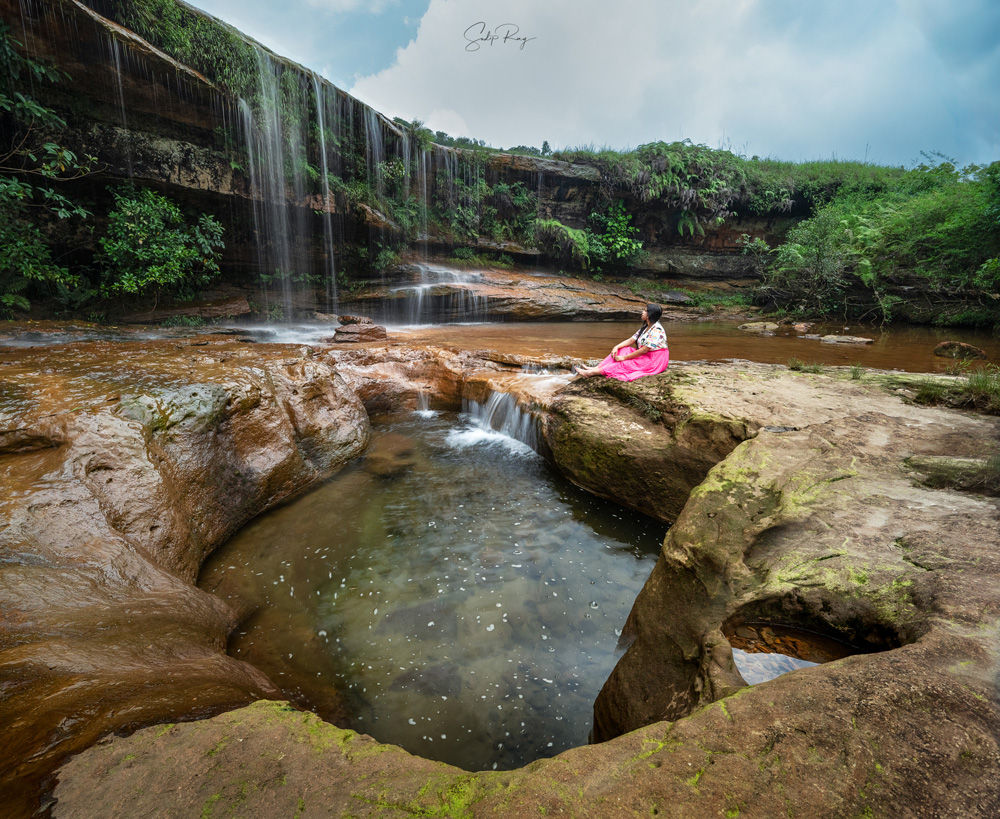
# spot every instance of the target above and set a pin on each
(651, 363)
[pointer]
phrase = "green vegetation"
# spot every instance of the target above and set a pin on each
(32, 167)
(183, 321)
(149, 249)
(936, 228)
(467, 257)
(611, 239)
(802, 367)
(563, 244)
(979, 390)
(607, 244)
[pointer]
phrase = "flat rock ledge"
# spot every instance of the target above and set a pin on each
(812, 519)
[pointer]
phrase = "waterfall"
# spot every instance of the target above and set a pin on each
(440, 294)
(375, 152)
(116, 58)
(328, 205)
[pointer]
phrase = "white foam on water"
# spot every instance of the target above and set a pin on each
(461, 438)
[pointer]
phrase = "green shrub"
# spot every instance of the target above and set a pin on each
(936, 225)
(564, 244)
(611, 239)
(31, 168)
(802, 367)
(149, 249)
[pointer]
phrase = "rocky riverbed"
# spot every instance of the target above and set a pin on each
(795, 506)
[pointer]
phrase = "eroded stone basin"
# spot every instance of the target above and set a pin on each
(812, 509)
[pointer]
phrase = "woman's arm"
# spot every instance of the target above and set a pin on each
(641, 351)
(622, 344)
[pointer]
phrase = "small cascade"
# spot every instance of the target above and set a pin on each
(501, 414)
(375, 154)
(116, 59)
(423, 405)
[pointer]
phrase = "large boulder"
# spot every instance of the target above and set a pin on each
(124, 465)
(959, 349)
(638, 443)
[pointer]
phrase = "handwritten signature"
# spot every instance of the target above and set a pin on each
(477, 34)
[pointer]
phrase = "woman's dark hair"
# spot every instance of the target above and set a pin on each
(653, 313)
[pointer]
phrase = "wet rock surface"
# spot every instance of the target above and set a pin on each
(507, 295)
(123, 465)
(813, 522)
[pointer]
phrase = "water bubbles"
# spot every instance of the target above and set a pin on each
(593, 604)
(490, 627)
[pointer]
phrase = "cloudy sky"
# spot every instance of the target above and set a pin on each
(882, 80)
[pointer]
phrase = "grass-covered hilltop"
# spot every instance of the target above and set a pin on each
(149, 151)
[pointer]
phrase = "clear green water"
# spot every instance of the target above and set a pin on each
(463, 599)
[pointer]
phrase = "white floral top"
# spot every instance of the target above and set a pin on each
(654, 337)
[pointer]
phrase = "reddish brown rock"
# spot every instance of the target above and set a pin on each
(958, 349)
(124, 465)
(814, 522)
(218, 308)
(355, 333)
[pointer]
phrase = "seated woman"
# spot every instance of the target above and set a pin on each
(649, 356)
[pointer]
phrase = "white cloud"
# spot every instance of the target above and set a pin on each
(804, 84)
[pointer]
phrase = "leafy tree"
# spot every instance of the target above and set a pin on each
(149, 249)
(30, 169)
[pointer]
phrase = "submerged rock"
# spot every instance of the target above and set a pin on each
(834, 339)
(959, 349)
(759, 327)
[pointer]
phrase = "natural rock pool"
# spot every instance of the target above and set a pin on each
(448, 593)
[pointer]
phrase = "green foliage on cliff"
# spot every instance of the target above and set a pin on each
(149, 249)
(706, 185)
(611, 239)
(32, 168)
(607, 244)
(468, 205)
(690, 178)
(207, 45)
(563, 244)
(936, 230)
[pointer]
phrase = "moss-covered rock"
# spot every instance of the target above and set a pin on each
(638, 443)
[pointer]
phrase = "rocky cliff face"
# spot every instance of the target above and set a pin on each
(249, 155)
